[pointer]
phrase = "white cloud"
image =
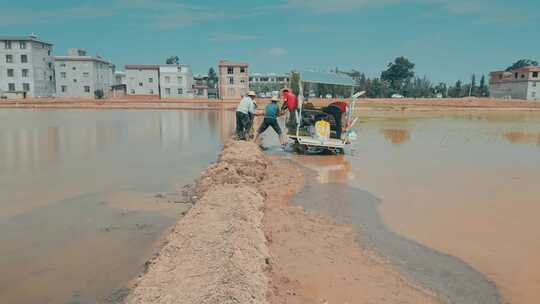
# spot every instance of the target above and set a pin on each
(278, 52)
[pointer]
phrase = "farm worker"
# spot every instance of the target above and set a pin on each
(337, 109)
(271, 113)
(291, 104)
(245, 110)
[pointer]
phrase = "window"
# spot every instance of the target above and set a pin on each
(150, 80)
(242, 70)
(500, 76)
(230, 70)
(63, 74)
(24, 58)
(49, 52)
(22, 45)
(167, 79)
(140, 84)
(231, 80)
(516, 75)
(62, 65)
(180, 79)
(533, 94)
(86, 89)
(24, 73)
(132, 91)
(9, 58)
(63, 88)
(11, 87)
(10, 72)
(74, 68)
(7, 46)
(180, 91)
(534, 84)
(242, 81)
(535, 75)
(74, 79)
(168, 91)
(86, 74)
(151, 91)
(522, 75)
(26, 87)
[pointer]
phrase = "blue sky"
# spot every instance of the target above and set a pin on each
(447, 39)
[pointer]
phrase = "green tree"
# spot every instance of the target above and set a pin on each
(212, 78)
(522, 63)
(472, 87)
(398, 73)
(441, 89)
(295, 83)
(482, 89)
(173, 60)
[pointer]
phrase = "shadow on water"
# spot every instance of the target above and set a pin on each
(449, 277)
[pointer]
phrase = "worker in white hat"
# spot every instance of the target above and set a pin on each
(244, 113)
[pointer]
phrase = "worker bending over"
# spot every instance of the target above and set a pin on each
(337, 109)
(244, 113)
(271, 113)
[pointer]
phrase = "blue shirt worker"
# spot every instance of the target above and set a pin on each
(245, 110)
(271, 113)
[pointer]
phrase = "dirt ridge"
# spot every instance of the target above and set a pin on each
(218, 252)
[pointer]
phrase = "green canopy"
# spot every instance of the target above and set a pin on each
(326, 78)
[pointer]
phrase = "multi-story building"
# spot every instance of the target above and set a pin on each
(200, 86)
(267, 84)
(175, 81)
(119, 78)
(80, 75)
(522, 83)
(233, 79)
(26, 67)
(142, 79)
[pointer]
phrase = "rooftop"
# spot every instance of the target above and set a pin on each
(81, 58)
(530, 68)
(233, 63)
(24, 38)
(151, 66)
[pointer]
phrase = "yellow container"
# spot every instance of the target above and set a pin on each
(322, 130)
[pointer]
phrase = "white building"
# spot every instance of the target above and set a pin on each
(142, 79)
(80, 75)
(26, 67)
(175, 81)
(120, 78)
(163, 81)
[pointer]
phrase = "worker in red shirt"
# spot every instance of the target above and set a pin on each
(337, 109)
(290, 103)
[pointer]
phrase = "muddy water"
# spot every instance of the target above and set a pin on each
(452, 199)
(79, 210)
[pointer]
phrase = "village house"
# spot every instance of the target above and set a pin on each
(522, 83)
(233, 79)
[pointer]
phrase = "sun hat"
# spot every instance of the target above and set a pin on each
(252, 93)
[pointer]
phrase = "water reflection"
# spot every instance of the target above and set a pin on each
(31, 147)
(329, 169)
(397, 136)
(519, 137)
(61, 232)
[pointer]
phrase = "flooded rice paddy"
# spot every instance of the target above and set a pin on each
(87, 194)
(451, 199)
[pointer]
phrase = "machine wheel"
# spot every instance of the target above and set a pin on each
(299, 148)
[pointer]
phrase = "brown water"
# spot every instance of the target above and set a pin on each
(462, 184)
(79, 214)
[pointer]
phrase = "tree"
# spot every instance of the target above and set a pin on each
(472, 87)
(173, 60)
(398, 73)
(441, 89)
(482, 89)
(212, 78)
(522, 63)
(295, 83)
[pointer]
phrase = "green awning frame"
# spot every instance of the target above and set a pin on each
(326, 78)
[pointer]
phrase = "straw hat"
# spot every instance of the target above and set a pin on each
(274, 98)
(252, 93)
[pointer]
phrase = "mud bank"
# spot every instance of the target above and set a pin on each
(218, 252)
(243, 243)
